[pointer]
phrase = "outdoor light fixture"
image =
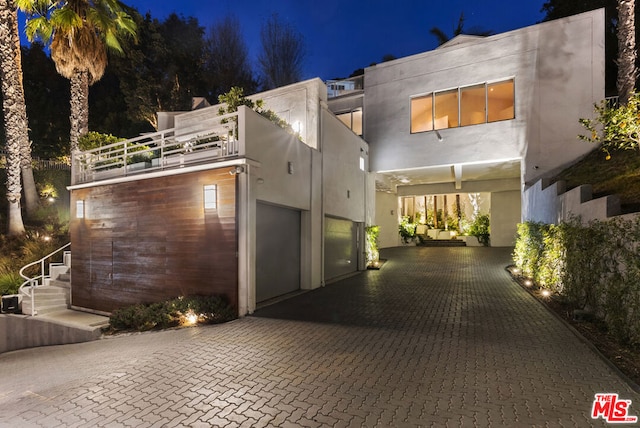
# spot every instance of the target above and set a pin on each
(439, 136)
(80, 209)
(237, 170)
(210, 196)
(528, 283)
(546, 293)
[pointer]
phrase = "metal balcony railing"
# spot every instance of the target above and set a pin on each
(166, 149)
(336, 88)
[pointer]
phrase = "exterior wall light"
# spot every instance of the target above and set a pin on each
(210, 196)
(80, 209)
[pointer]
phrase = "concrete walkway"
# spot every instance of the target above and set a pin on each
(438, 337)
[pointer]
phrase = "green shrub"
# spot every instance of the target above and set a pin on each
(407, 229)
(9, 283)
(480, 229)
(594, 267)
(171, 313)
(372, 233)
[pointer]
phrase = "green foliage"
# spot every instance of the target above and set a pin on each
(372, 233)
(616, 127)
(171, 313)
(16, 252)
(480, 228)
(407, 229)
(9, 283)
(236, 98)
(529, 247)
(94, 140)
(594, 267)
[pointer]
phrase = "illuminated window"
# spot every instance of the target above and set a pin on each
(79, 209)
(422, 114)
(500, 101)
(361, 163)
(469, 105)
(353, 120)
(473, 100)
(210, 197)
(446, 111)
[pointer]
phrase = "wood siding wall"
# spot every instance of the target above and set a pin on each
(150, 240)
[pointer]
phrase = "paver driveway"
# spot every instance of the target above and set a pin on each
(438, 337)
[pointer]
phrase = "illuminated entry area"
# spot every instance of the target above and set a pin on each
(469, 105)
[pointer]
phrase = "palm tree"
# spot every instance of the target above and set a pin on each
(443, 38)
(14, 109)
(79, 33)
(627, 73)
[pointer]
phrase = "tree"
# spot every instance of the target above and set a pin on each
(46, 94)
(627, 74)
(79, 33)
(226, 58)
(458, 30)
(163, 71)
(282, 55)
(15, 112)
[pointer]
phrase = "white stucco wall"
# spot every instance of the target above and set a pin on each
(505, 215)
(552, 204)
(387, 218)
(345, 184)
(558, 68)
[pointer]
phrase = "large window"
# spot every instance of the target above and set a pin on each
(469, 105)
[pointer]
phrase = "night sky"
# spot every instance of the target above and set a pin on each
(342, 36)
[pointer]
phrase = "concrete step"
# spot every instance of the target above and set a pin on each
(48, 298)
(64, 277)
(443, 243)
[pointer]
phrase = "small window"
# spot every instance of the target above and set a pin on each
(353, 120)
(422, 114)
(446, 111)
(500, 101)
(210, 197)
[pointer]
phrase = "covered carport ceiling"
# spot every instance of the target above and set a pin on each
(452, 174)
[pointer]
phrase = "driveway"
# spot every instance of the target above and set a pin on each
(438, 337)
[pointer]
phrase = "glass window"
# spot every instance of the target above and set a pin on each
(473, 100)
(353, 120)
(446, 111)
(356, 121)
(422, 114)
(500, 101)
(345, 118)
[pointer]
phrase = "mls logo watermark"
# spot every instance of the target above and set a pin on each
(612, 409)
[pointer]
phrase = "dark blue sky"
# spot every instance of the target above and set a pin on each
(341, 36)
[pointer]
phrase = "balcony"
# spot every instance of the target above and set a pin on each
(211, 140)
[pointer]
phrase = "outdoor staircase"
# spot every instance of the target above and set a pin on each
(55, 293)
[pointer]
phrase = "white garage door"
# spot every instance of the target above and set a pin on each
(277, 251)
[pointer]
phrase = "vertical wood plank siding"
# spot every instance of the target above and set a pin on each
(151, 240)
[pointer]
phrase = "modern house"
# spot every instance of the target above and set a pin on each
(477, 120)
(230, 204)
(235, 204)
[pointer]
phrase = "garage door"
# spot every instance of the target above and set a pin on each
(277, 251)
(340, 247)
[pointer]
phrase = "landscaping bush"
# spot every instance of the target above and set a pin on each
(594, 268)
(480, 229)
(171, 313)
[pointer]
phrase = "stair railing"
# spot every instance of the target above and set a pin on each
(28, 286)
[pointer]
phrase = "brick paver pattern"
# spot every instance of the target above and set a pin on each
(438, 337)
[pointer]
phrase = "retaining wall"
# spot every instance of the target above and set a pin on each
(22, 331)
